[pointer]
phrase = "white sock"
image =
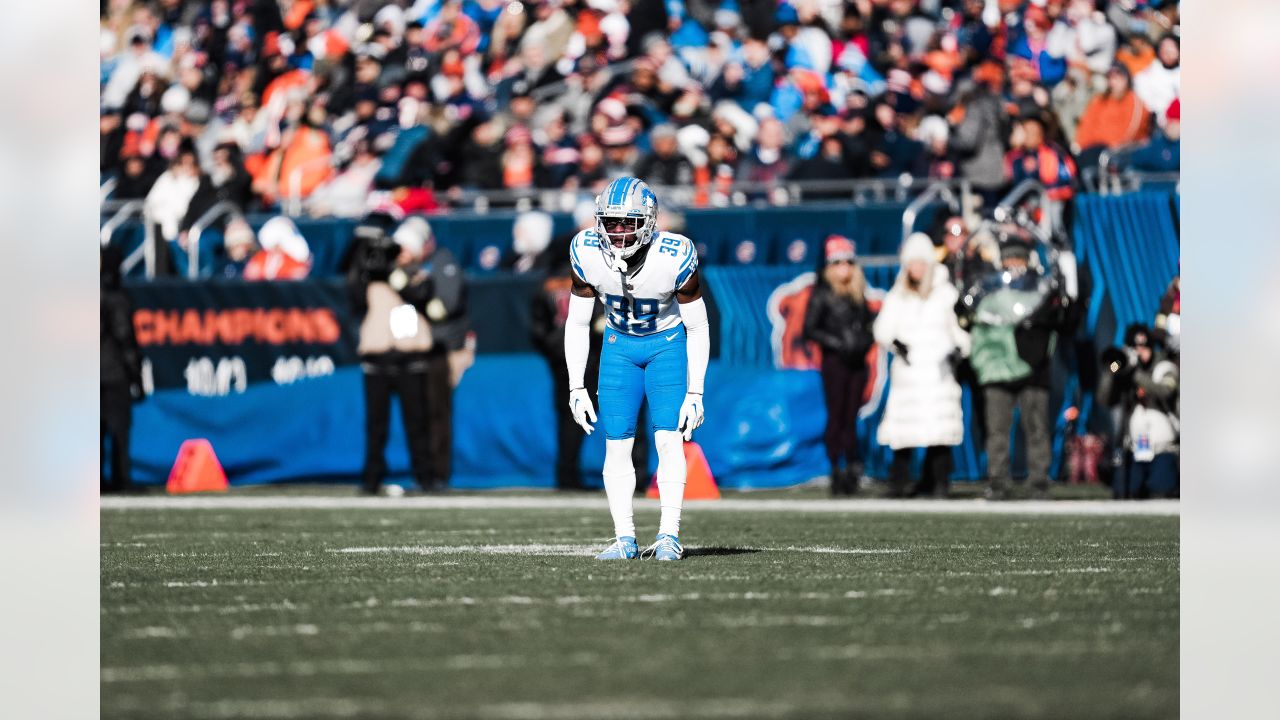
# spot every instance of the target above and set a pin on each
(671, 476)
(620, 485)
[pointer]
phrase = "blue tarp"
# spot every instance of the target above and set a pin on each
(763, 428)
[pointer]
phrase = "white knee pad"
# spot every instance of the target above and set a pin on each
(670, 447)
(617, 457)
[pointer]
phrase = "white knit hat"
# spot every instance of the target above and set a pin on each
(917, 246)
(275, 232)
(413, 234)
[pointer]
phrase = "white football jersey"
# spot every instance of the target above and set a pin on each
(647, 304)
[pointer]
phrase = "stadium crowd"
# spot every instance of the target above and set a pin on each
(257, 101)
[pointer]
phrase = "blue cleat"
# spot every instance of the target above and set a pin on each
(666, 547)
(624, 548)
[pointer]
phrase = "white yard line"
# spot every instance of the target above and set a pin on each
(480, 502)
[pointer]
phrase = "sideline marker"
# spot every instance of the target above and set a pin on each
(196, 469)
(700, 484)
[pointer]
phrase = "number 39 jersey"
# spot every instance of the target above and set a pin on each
(647, 304)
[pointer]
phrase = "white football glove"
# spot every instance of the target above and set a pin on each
(580, 404)
(690, 414)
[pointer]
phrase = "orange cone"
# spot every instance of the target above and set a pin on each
(699, 483)
(197, 469)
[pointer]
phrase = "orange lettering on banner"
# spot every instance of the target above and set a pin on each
(167, 328)
(236, 326)
(225, 330)
(142, 327)
(297, 326)
(326, 323)
(243, 324)
(209, 327)
(191, 330)
(273, 327)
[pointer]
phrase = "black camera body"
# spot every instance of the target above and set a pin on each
(378, 252)
(1119, 360)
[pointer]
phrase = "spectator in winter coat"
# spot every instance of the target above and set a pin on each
(1161, 82)
(1015, 327)
(837, 319)
(1114, 118)
(297, 167)
(769, 160)
(1040, 160)
(893, 152)
(239, 244)
(1033, 47)
(666, 166)
(171, 195)
(530, 237)
(918, 325)
(284, 254)
(347, 193)
(979, 130)
(1091, 40)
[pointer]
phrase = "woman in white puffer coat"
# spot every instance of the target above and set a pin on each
(917, 323)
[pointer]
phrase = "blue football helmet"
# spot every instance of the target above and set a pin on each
(626, 213)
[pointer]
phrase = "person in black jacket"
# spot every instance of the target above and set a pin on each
(120, 373)
(837, 319)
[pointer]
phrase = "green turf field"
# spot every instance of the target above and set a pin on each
(501, 613)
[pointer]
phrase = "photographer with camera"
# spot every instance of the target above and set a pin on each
(1015, 316)
(453, 351)
(390, 291)
(1140, 383)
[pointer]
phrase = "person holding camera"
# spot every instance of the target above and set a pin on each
(452, 352)
(390, 291)
(1015, 316)
(1141, 383)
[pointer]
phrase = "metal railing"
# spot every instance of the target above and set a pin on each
(224, 208)
(126, 211)
(1006, 210)
(780, 193)
(144, 253)
(938, 189)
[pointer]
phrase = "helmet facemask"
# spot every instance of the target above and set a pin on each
(622, 233)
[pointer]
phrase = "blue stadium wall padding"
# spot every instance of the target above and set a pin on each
(763, 429)
(1131, 243)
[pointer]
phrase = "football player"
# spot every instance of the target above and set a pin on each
(656, 346)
